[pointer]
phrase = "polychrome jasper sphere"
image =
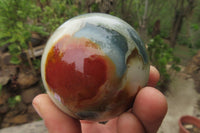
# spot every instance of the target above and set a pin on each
(93, 66)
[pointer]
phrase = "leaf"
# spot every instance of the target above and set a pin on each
(161, 55)
(20, 13)
(36, 63)
(14, 49)
(2, 43)
(19, 24)
(195, 27)
(24, 45)
(17, 98)
(15, 60)
(1, 87)
(12, 101)
(5, 35)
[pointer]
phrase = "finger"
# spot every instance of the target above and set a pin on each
(154, 76)
(55, 120)
(128, 123)
(96, 127)
(150, 108)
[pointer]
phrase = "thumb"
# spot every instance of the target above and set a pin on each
(55, 120)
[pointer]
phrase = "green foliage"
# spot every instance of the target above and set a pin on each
(190, 35)
(16, 25)
(95, 7)
(36, 63)
(15, 51)
(12, 101)
(54, 12)
(19, 18)
(161, 54)
(195, 27)
(197, 44)
(1, 87)
(183, 40)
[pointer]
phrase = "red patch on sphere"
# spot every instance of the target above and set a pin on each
(75, 69)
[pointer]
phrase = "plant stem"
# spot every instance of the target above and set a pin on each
(30, 63)
(31, 47)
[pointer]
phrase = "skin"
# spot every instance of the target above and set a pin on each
(146, 115)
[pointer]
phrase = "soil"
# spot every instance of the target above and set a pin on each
(20, 86)
(183, 94)
(191, 128)
(182, 99)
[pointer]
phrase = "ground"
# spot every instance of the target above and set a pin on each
(182, 100)
(20, 86)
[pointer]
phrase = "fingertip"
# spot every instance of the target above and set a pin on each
(154, 76)
(153, 96)
(55, 120)
(150, 107)
(36, 103)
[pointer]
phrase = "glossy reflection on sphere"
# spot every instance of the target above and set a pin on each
(93, 66)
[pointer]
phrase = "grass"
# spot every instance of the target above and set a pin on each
(184, 53)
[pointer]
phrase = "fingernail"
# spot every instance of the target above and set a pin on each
(35, 104)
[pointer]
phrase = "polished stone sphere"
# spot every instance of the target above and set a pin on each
(93, 66)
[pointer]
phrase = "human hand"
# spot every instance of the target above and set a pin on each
(146, 115)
